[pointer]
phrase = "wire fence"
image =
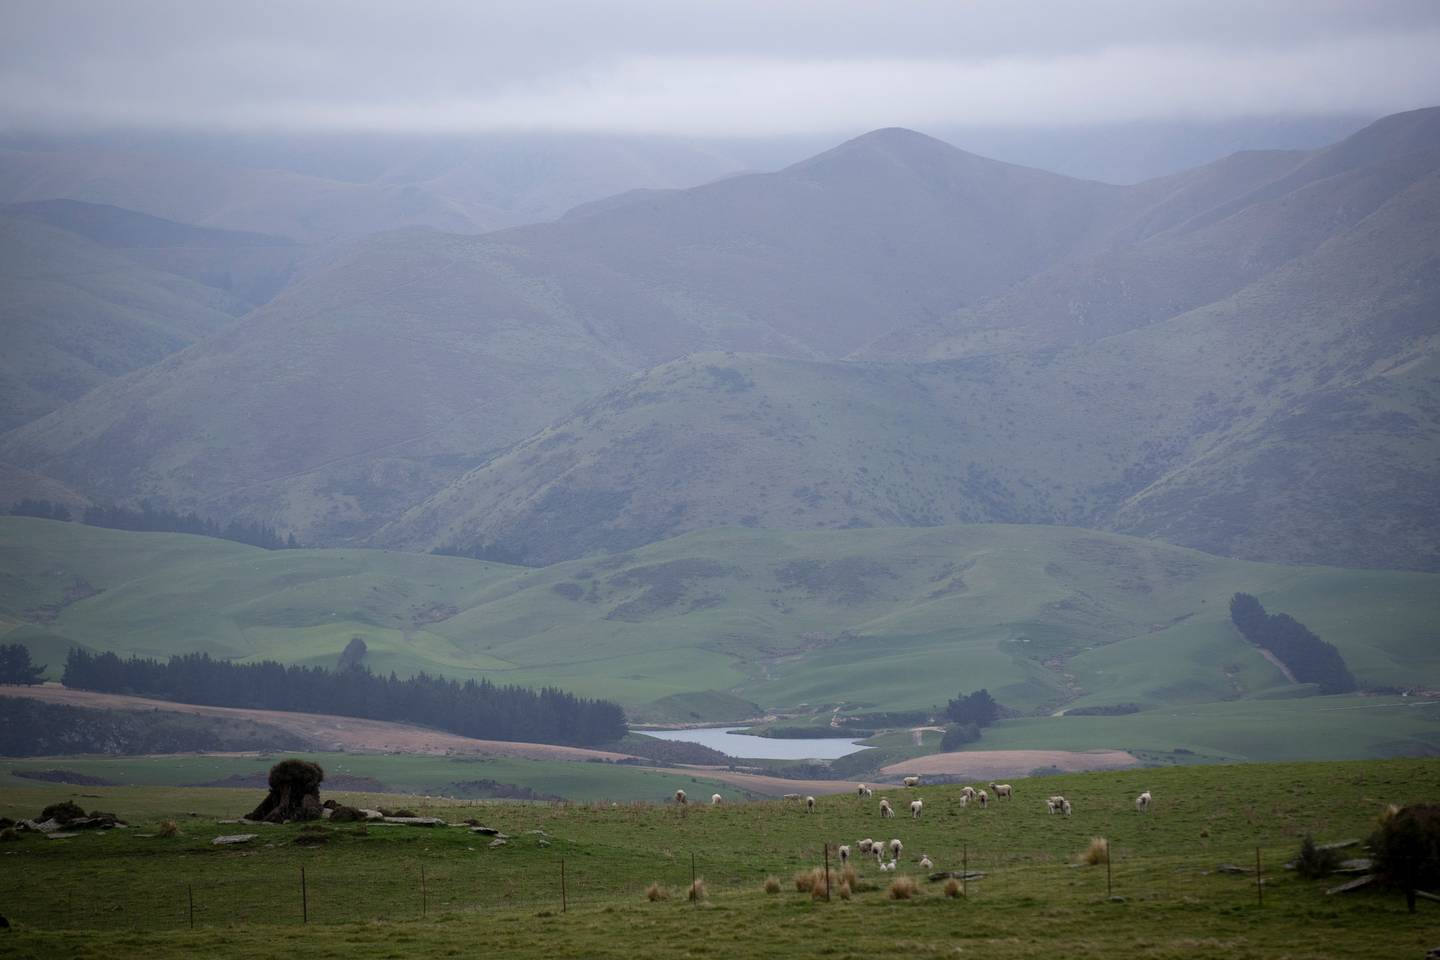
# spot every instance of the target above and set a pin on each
(320, 894)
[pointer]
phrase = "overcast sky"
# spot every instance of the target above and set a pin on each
(741, 67)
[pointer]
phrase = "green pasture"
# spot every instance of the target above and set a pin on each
(406, 891)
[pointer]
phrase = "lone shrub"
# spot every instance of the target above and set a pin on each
(655, 893)
(343, 814)
(64, 811)
(1406, 849)
(8, 834)
(772, 884)
(697, 890)
(1313, 862)
(952, 888)
(804, 881)
(844, 891)
(169, 828)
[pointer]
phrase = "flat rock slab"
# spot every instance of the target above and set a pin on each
(1355, 884)
(58, 835)
(955, 875)
(1358, 865)
(486, 831)
(234, 838)
(498, 842)
(1233, 870)
(416, 821)
(1338, 845)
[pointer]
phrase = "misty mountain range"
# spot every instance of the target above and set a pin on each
(1240, 357)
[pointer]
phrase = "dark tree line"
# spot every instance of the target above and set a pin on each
(472, 708)
(968, 715)
(149, 519)
(1305, 655)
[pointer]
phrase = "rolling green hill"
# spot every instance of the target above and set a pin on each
(880, 618)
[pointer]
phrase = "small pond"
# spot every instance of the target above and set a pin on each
(738, 743)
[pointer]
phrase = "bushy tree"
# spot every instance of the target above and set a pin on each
(959, 734)
(978, 708)
(15, 665)
(1406, 849)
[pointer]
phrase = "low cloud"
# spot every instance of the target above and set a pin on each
(745, 71)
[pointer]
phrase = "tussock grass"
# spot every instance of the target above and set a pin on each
(655, 892)
(1096, 853)
(903, 888)
(772, 884)
(697, 890)
(169, 828)
(844, 891)
(952, 888)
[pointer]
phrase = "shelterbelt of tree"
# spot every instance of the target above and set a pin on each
(475, 708)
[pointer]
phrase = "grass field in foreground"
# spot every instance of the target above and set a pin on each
(126, 893)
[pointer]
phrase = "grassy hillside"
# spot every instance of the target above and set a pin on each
(879, 619)
(381, 375)
(127, 890)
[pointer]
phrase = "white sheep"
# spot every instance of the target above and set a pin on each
(912, 781)
(863, 792)
(1056, 802)
(890, 867)
(1065, 808)
(879, 851)
(926, 863)
(844, 854)
(915, 808)
(1052, 806)
(680, 797)
(1142, 802)
(968, 792)
(982, 798)
(895, 847)
(964, 800)
(1002, 790)
(865, 845)
(885, 809)
(715, 799)
(809, 804)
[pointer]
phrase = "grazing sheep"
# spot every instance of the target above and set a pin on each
(715, 799)
(1055, 803)
(895, 847)
(1052, 806)
(912, 781)
(879, 851)
(926, 863)
(968, 793)
(809, 804)
(865, 845)
(1002, 790)
(983, 799)
(1142, 802)
(964, 800)
(844, 855)
(680, 797)
(885, 809)
(915, 808)
(1065, 808)
(863, 792)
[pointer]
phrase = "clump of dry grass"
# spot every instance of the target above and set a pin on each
(169, 828)
(952, 888)
(844, 891)
(697, 889)
(903, 888)
(1097, 853)
(9, 834)
(849, 877)
(772, 884)
(655, 892)
(804, 881)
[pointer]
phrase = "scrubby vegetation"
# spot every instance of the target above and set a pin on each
(32, 728)
(1305, 655)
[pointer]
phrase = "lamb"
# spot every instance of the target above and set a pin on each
(863, 792)
(1142, 802)
(715, 799)
(809, 804)
(865, 845)
(890, 867)
(1065, 808)
(915, 807)
(983, 799)
(968, 792)
(885, 809)
(1002, 790)
(1052, 806)
(926, 863)
(844, 855)
(895, 847)
(680, 797)
(912, 781)
(964, 800)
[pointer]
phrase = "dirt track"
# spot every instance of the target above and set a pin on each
(327, 732)
(988, 764)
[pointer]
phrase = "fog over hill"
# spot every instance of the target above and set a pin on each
(1240, 357)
